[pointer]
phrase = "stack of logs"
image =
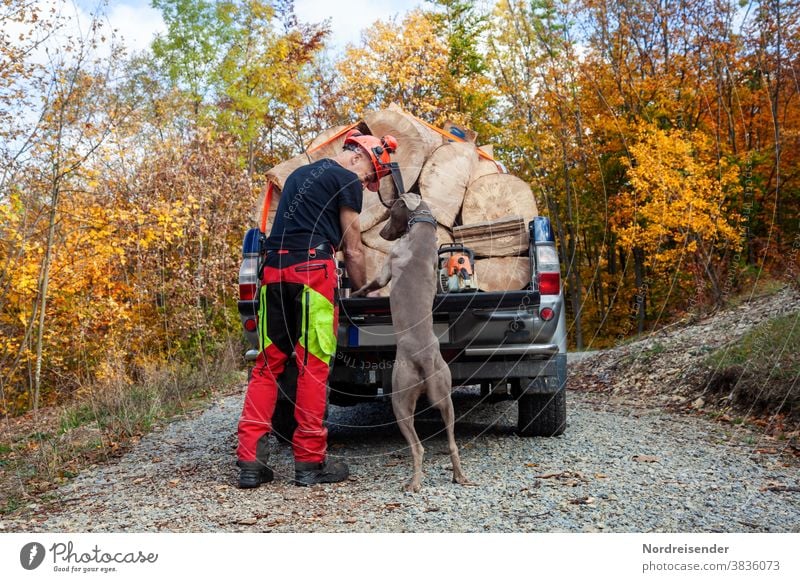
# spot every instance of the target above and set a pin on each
(472, 200)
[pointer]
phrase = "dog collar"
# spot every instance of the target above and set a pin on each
(422, 216)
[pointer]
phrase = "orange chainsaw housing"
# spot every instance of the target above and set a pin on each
(456, 263)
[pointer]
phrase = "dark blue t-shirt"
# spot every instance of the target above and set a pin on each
(308, 212)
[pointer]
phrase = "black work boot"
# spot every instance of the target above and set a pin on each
(327, 471)
(254, 473)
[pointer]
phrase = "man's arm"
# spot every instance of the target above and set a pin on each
(353, 252)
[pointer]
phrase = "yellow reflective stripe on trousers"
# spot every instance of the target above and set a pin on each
(263, 340)
(320, 339)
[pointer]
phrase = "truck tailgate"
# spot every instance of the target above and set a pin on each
(443, 303)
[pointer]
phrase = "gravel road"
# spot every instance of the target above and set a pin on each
(615, 469)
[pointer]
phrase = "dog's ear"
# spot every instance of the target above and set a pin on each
(411, 200)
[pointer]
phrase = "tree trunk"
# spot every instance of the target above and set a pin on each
(45, 281)
(641, 289)
(573, 270)
(415, 141)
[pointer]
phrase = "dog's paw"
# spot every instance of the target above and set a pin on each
(412, 487)
(462, 480)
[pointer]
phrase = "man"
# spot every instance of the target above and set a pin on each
(317, 214)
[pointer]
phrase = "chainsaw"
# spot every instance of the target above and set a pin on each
(456, 271)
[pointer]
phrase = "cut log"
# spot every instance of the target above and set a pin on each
(372, 211)
(374, 260)
(256, 216)
(388, 193)
(444, 177)
(505, 237)
(497, 196)
(491, 227)
(483, 168)
(503, 273)
(374, 240)
(415, 142)
(278, 174)
(317, 151)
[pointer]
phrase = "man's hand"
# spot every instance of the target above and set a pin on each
(353, 251)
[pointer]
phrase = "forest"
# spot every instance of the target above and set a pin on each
(662, 138)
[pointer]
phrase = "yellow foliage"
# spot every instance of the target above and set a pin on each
(129, 267)
(409, 64)
(398, 64)
(677, 202)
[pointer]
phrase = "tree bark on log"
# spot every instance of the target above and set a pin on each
(494, 238)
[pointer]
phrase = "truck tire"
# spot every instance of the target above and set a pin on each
(542, 414)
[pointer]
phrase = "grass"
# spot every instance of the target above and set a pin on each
(761, 371)
(103, 422)
(754, 288)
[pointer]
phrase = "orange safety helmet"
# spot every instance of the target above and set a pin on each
(378, 150)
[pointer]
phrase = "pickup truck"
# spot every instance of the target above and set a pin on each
(510, 343)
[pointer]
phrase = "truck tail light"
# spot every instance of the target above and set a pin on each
(548, 268)
(549, 283)
(247, 292)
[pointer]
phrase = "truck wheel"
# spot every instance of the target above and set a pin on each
(283, 421)
(542, 414)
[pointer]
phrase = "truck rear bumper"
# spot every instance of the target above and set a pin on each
(511, 350)
(536, 375)
(355, 372)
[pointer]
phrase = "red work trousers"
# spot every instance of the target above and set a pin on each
(297, 312)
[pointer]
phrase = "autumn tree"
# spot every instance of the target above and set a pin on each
(419, 65)
(532, 59)
(75, 118)
(676, 211)
(264, 78)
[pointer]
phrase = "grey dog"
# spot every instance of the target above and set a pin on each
(419, 368)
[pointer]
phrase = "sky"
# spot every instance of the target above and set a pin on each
(137, 22)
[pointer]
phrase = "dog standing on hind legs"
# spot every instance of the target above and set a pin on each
(419, 367)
